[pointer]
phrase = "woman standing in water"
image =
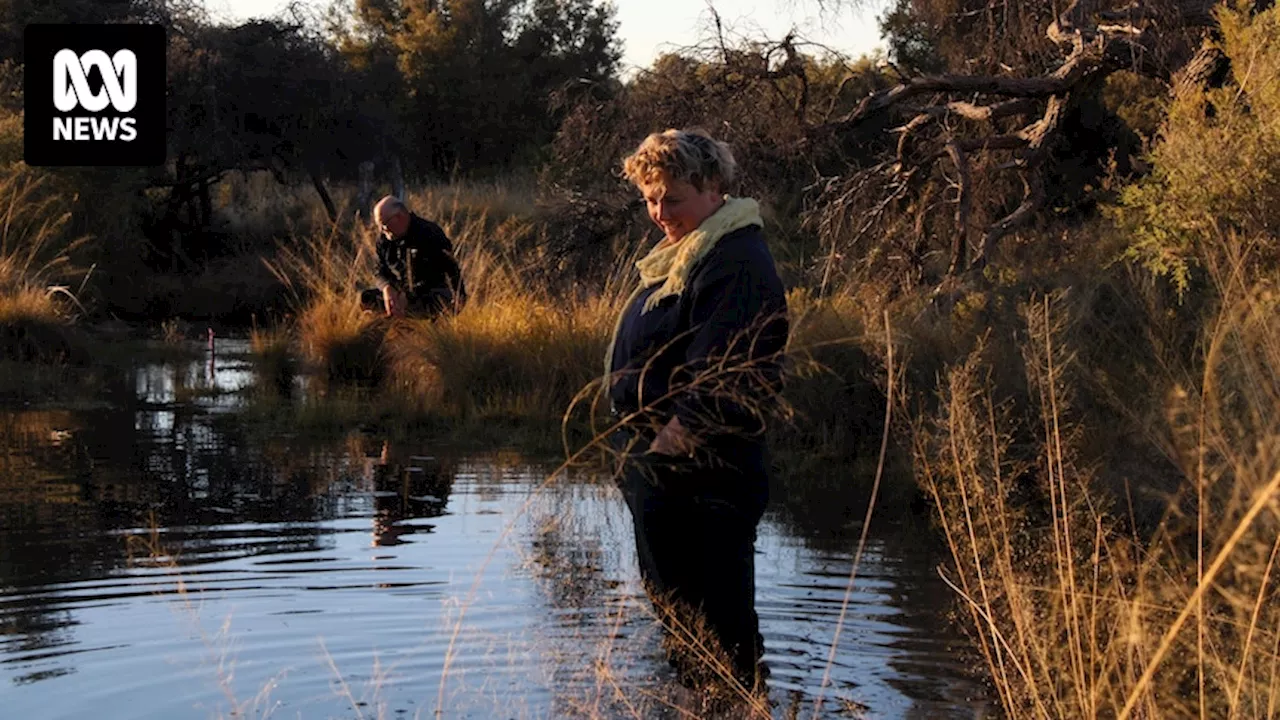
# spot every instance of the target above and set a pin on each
(694, 363)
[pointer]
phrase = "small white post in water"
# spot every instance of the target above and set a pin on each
(210, 371)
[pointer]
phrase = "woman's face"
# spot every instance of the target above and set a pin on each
(678, 207)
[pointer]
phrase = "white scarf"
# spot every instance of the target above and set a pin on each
(670, 263)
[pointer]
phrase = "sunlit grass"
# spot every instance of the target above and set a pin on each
(1078, 613)
(34, 311)
(517, 350)
(517, 356)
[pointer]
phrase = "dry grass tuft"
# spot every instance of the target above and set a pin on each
(35, 312)
(514, 356)
(1077, 614)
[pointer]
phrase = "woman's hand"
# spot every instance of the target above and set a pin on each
(674, 439)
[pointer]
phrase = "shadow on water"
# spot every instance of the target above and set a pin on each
(161, 556)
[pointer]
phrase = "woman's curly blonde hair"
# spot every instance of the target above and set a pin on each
(691, 155)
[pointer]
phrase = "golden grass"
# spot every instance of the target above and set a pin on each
(24, 303)
(516, 350)
(323, 273)
(33, 256)
(513, 356)
(1077, 614)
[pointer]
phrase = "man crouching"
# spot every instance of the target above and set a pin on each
(417, 273)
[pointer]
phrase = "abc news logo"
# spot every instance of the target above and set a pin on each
(95, 95)
(71, 90)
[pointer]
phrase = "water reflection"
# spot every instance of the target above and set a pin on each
(406, 486)
(161, 555)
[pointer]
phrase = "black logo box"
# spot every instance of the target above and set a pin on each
(148, 43)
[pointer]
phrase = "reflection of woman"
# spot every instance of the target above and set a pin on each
(694, 359)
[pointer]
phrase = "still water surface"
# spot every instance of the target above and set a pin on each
(162, 557)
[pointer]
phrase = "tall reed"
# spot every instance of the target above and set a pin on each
(1075, 612)
(34, 257)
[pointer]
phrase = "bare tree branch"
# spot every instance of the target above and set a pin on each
(956, 120)
(1033, 198)
(995, 111)
(1085, 61)
(959, 242)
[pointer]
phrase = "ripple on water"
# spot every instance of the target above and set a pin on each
(304, 581)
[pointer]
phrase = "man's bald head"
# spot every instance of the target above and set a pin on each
(391, 215)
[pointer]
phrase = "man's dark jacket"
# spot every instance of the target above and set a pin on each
(420, 261)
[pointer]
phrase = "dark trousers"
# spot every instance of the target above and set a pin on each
(425, 303)
(695, 530)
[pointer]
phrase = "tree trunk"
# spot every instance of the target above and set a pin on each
(323, 192)
(397, 178)
(364, 199)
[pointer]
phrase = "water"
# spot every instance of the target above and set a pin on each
(163, 556)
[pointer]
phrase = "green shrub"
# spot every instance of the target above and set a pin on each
(1217, 162)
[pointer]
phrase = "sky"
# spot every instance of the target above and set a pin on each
(649, 27)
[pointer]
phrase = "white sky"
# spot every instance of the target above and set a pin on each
(650, 27)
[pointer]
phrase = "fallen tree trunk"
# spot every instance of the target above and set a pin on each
(967, 115)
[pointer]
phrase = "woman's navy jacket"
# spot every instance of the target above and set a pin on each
(711, 355)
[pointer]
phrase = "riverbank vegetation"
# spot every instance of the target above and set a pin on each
(1064, 234)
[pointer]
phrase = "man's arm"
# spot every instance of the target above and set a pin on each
(393, 297)
(383, 275)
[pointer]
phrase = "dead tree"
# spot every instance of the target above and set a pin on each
(954, 118)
